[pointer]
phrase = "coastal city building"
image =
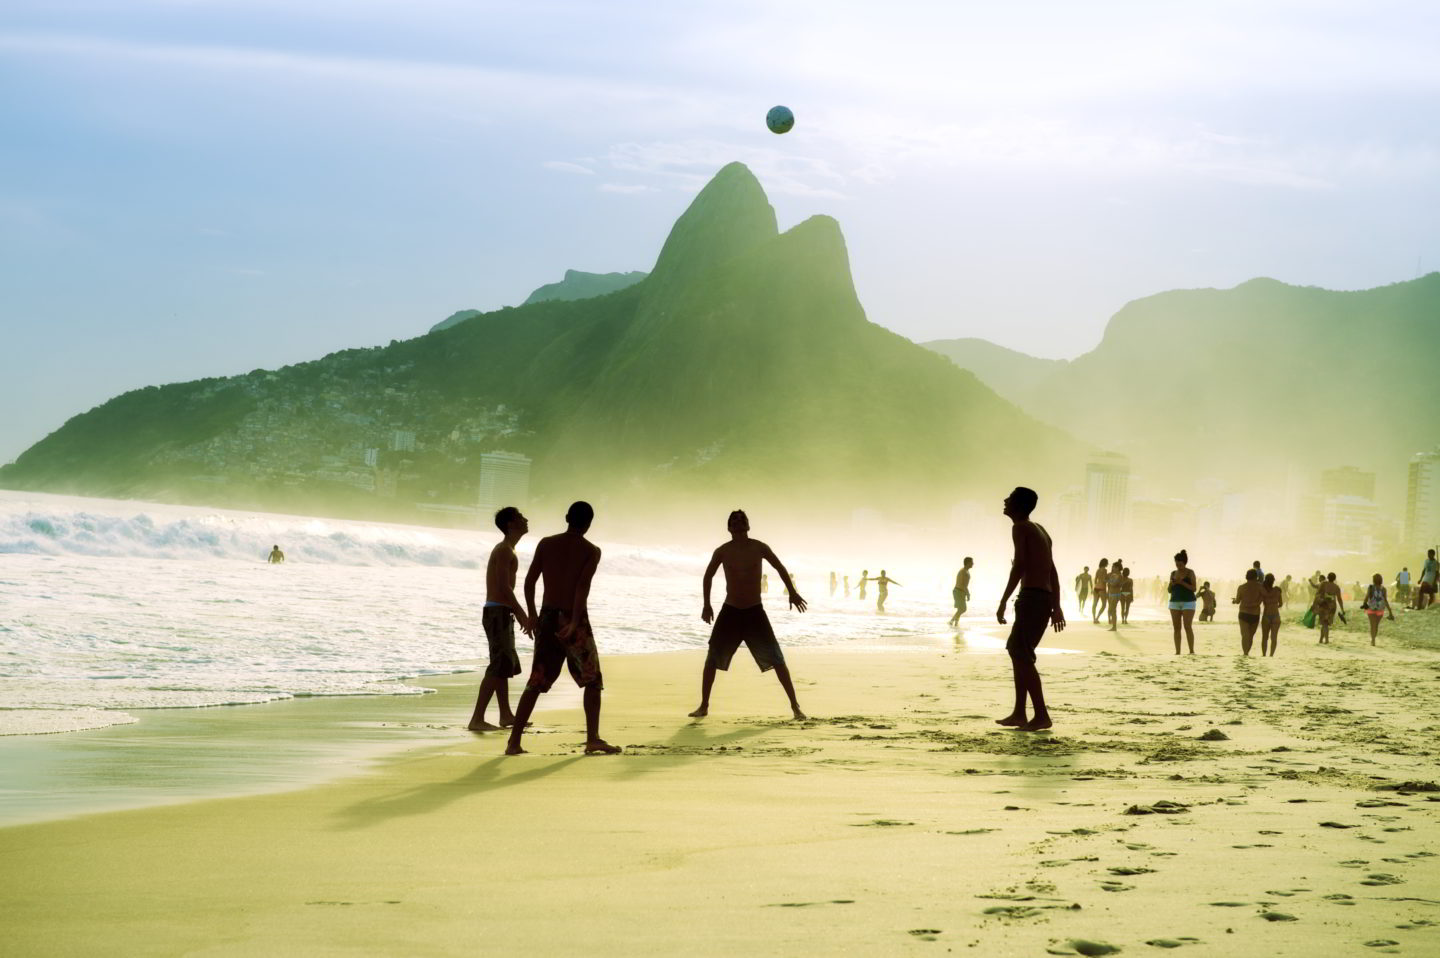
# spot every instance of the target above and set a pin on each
(1107, 494)
(1422, 501)
(504, 481)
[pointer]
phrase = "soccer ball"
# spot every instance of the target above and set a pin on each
(779, 119)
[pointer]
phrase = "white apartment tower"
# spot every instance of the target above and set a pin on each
(1107, 494)
(504, 481)
(1422, 501)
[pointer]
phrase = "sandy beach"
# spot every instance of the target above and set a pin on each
(1218, 805)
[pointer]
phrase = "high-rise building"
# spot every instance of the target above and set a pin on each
(402, 440)
(1347, 481)
(1107, 494)
(1348, 523)
(504, 481)
(1422, 501)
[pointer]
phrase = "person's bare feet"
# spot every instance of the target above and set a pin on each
(798, 715)
(482, 726)
(701, 712)
(514, 749)
(509, 722)
(598, 746)
(1038, 723)
(1012, 721)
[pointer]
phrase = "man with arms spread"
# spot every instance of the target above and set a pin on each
(742, 617)
(502, 611)
(1037, 606)
(961, 592)
(562, 629)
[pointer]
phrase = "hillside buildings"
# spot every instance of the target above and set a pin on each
(504, 481)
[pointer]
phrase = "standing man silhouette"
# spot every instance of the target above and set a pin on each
(502, 610)
(1036, 607)
(961, 592)
(742, 616)
(276, 556)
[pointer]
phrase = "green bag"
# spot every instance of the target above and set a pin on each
(1309, 619)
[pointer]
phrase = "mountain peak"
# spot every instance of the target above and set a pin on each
(728, 217)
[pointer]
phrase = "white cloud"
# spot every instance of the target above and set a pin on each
(565, 166)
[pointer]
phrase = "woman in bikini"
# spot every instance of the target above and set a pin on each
(1377, 603)
(1182, 600)
(1250, 596)
(1270, 615)
(1102, 571)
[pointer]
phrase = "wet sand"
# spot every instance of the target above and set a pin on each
(1213, 804)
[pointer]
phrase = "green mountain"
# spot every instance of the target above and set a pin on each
(1011, 374)
(1252, 383)
(741, 370)
(578, 285)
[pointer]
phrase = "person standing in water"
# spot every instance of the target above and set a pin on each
(1036, 607)
(1082, 587)
(847, 587)
(860, 586)
(1098, 599)
(1250, 597)
(276, 556)
(502, 611)
(1328, 600)
(882, 590)
(1207, 603)
(1377, 604)
(961, 593)
(1182, 600)
(1270, 602)
(567, 562)
(742, 616)
(832, 585)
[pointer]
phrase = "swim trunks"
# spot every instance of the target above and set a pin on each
(959, 596)
(1032, 616)
(499, 623)
(751, 626)
(552, 652)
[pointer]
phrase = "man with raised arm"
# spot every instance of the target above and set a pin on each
(502, 610)
(742, 616)
(1037, 606)
(567, 562)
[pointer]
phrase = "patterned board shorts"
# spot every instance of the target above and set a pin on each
(499, 624)
(553, 653)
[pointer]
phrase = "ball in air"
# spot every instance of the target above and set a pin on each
(780, 119)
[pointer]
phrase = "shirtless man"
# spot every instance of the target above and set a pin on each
(1250, 596)
(961, 592)
(1082, 587)
(882, 589)
(742, 616)
(562, 629)
(860, 586)
(1285, 593)
(1037, 606)
(502, 611)
(276, 556)
(1328, 599)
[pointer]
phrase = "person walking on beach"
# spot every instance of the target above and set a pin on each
(1182, 600)
(742, 616)
(1402, 585)
(1328, 600)
(961, 593)
(1082, 587)
(1036, 607)
(1098, 599)
(860, 586)
(276, 556)
(502, 610)
(1376, 604)
(882, 590)
(1114, 584)
(1270, 602)
(1250, 596)
(1429, 575)
(1207, 603)
(567, 563)
(1285, 593)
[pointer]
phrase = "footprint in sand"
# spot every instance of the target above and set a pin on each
(1277, 916)
(926, 934)
(1172, 942)
(1083, 946)
(1381, 878)
(1115, 886)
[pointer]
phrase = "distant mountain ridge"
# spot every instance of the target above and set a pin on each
(1010, 373)
(741, 369)
(575, 285)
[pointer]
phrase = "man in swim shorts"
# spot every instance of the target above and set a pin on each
(1429, 578)
(1250, 596)
(961, 592)
(502, 610)
(1082, 587)
(1036, 607)
(742, 616)
(562, 629)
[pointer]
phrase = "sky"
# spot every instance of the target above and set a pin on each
(194, 188)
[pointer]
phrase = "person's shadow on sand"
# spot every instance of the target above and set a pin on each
(689, 743)
(423, 799)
